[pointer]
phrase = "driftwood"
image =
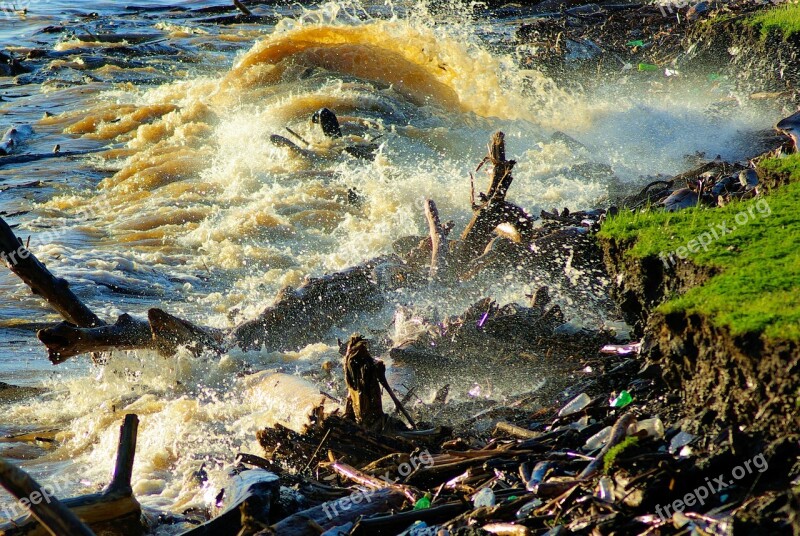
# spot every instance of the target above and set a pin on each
(298, 317)
(84, 331)
(48, 511)
(371, 482)
(439, 244)
(161, 332)
(54, 290)
(303, 315)
(494, 210)
(336, 513)
(247, 502)
(113, 511)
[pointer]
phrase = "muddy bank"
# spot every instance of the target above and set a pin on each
(710, 41)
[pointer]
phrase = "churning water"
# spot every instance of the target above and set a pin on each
(185, 203)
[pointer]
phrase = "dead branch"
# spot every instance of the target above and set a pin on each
(42, 282)
(439, 245)
(241, 7)
(351, 473)
(66, 340)
(44, 507)
(163, 333)
(493, 209)
(114, 511)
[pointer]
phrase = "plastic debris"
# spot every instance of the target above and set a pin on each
(622, 399)
(528, 508)
(636, 43)
(621, 349)
(575, 405)
(681, 439)
(537, 476)
(599, 439)
(605, 489)
(423, 502)
(484, 497)
(648, 427)
(648, 67)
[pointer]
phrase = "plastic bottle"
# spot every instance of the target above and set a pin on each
(622, 399)
(653, 427)
(605, 490)
(423, 502)
(599, 439)
(528, 508)
(484, 497)
(575, 405)
(680, 440)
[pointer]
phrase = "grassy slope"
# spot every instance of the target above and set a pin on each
(758, 289)
(784, 18)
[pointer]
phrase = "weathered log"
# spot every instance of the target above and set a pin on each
(67, 340)
(298, 317)
(247, 502)
(163, 333)
(169, 332)
(302, 316)
(56, 518)
(113, 511)
(336, 513)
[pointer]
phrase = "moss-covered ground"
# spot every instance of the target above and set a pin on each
(755, 244)
(784, 18)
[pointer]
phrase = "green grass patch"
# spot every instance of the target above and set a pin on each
(758, 287)
(784, 18)
(612, 454)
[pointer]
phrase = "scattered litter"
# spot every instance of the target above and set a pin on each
(575, 405)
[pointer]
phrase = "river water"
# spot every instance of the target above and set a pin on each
(183, 202)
